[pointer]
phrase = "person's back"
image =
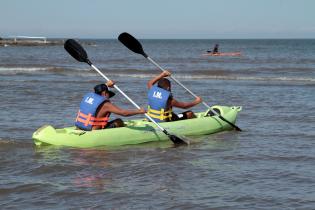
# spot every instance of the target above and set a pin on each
(95, 110)
(161, 101)
(87, 117)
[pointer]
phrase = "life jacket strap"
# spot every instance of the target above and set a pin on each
(88, 119)
(160, 114)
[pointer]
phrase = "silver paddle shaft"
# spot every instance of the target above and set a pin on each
(129, 99)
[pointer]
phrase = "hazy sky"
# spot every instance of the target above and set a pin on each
(159, 18)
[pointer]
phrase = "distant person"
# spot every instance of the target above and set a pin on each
(215, 49)
(161, 101)
(95, 110)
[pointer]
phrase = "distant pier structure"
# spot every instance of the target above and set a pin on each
(34, 38)
(29, 41)
(33, 41)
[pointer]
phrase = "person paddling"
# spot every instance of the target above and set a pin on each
(215, 49)
(95, 110)
(161, 100)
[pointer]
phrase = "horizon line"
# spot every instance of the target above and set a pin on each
(171, 38)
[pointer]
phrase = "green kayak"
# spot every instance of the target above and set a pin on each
(136, 131)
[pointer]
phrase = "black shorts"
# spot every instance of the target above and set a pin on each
(115, 123)
(111, 124)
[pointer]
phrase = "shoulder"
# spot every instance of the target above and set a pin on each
(106, 103)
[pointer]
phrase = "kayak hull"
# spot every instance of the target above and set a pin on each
(224, 54)
(135, 132)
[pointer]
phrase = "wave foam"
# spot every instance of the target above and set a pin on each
(135, 73)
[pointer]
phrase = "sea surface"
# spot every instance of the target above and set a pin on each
(270, 165)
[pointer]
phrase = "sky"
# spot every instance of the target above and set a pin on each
(183, 19)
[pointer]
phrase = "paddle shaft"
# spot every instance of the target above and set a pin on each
(189, 91)
(129, 99)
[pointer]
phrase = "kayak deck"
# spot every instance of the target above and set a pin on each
(135, 131)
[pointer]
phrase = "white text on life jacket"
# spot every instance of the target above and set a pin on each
(157, 94)
(89, 100)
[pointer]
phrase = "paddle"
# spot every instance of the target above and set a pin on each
(77, 52)
(134, 45)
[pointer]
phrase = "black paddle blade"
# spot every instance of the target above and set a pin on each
(231, 124)
(131, 43)
(178, 140)
(76, 51)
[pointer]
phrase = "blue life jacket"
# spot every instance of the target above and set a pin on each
(158, 99)
(86, 117)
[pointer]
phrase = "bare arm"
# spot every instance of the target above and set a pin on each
(157, 78)
(186, 105)
(109, 107)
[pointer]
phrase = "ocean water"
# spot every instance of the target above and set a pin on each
(270, 165)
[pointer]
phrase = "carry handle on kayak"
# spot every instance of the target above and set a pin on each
(78, 52)
(134, 45)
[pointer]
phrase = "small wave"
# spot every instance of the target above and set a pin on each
(3, 142)
(280, 68)
(220, 77)
(15, 70)
(20, 69)
(216, 77)
(10, 143)
(220, 74)
(10, 70)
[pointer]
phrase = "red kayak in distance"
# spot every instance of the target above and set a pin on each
(223, 54)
